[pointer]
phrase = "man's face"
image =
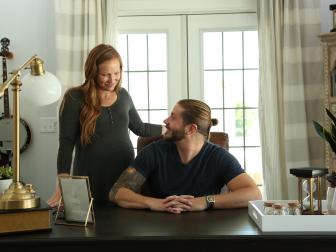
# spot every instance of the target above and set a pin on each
(175, 126)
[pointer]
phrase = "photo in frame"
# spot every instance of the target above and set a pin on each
(77, 200)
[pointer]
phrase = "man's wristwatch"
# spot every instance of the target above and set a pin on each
(210, 201)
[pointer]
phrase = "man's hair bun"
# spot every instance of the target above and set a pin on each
(214, 121)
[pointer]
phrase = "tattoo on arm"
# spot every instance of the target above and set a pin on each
(131, 179)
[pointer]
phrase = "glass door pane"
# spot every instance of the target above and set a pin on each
(226, 78)
(151, 50)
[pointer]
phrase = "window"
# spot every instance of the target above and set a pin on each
(208, 57)
(154, 73)
(230, 86)
(145, 74)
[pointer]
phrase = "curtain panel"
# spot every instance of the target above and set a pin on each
(291, 91)
(80, 26)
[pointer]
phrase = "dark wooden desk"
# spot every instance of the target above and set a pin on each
(119, 229)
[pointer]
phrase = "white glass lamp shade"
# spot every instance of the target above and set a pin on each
(41, 90)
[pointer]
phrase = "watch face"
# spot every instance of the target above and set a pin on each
(210, 199)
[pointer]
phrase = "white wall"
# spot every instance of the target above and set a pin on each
(326, 15)
(30, 27)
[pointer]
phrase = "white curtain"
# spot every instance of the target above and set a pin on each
(80, 26)
(291, 90)
(270, 22)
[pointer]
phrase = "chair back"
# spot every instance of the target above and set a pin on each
(219, 138)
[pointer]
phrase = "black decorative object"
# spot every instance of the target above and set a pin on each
(332, 7)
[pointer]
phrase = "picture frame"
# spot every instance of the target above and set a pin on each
(76, 201)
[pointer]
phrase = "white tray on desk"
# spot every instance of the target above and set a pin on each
(290, 223)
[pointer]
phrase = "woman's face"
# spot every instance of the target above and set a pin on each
(109, 75)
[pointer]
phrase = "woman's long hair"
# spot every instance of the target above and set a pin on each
(92, 106)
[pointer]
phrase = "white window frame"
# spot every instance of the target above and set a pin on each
(197, 24)
(164, 7)
(185, 62)
(177, 63)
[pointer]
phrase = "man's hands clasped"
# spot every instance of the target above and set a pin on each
(178, 204)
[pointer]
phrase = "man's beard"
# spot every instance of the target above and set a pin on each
(176, 135)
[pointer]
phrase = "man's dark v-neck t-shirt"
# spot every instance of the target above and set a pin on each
(205, 174)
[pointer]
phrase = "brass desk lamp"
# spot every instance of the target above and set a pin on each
(43, 89)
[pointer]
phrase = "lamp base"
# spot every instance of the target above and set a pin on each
(18, 196)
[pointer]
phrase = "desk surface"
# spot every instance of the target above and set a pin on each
(128, 229)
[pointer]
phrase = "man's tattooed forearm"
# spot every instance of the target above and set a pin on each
(131, 179)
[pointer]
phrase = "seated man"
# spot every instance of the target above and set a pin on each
(184, 171)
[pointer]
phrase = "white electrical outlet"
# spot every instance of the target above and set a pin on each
(48, 124)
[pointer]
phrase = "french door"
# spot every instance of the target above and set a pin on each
(211, 57)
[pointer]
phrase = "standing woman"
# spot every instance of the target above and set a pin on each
(95, 118)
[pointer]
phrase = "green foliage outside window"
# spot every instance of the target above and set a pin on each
(250, 116)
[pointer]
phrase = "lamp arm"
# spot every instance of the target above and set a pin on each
(15, 73)
(18, 196)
